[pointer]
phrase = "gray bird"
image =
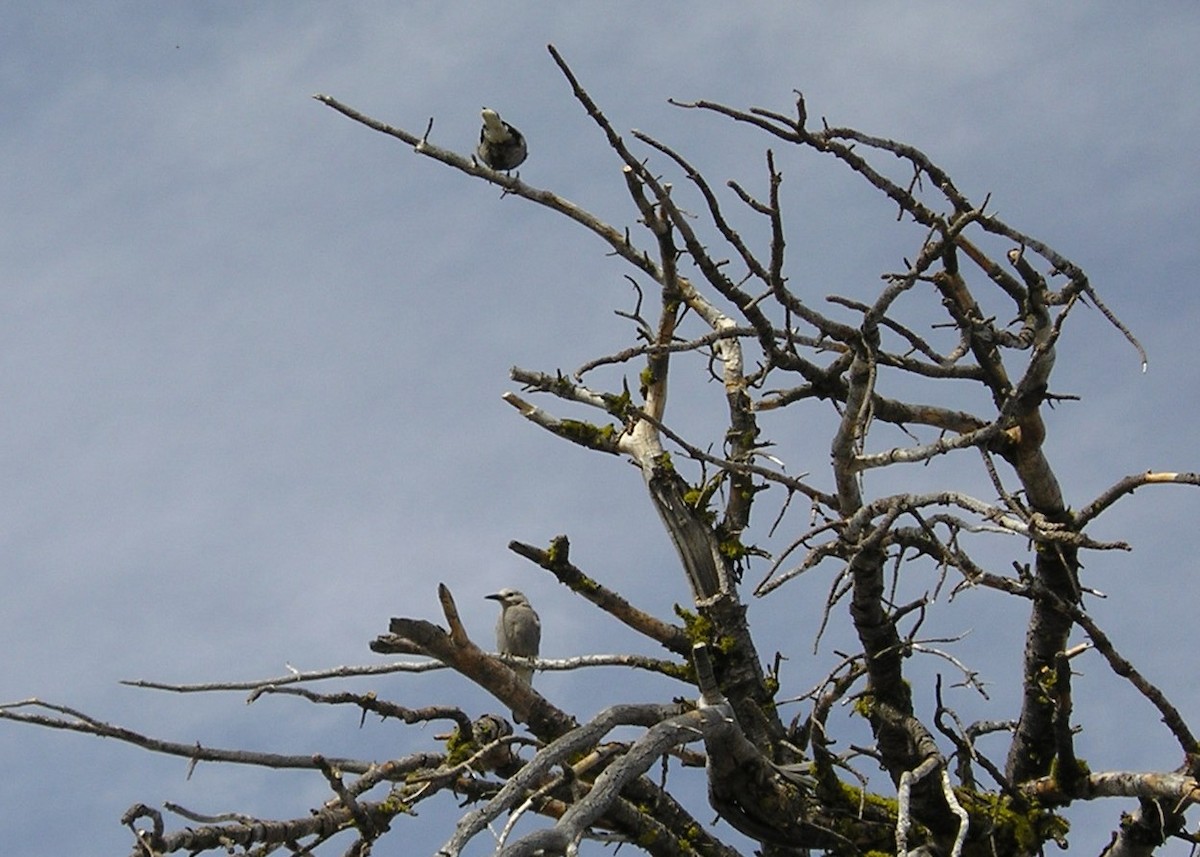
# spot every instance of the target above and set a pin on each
(501, 146)
(519, 631)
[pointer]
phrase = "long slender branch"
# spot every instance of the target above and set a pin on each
(615, 238)
(291, 678)
(1127, 486)
(64, 717)
(556, 561)
(1171, 715)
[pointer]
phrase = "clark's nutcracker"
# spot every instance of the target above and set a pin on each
(501, 146)
(519, 631)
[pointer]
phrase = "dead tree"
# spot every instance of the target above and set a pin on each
(974, 314)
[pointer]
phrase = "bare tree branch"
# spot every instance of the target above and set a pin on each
(853, 386)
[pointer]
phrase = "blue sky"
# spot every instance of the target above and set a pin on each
(252, 354)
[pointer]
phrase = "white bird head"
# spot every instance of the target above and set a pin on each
(501, 146)
(495, 129)
(509, 597)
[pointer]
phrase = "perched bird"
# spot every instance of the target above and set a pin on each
(501, 146)
(489, 729)
(519, 631)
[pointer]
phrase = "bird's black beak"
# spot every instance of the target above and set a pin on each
(495, 596)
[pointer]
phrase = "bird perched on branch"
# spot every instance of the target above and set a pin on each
(501, 146)
(519, 631)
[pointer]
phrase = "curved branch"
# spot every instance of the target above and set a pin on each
(615, 238)
(556, 561)
(1127, 486)
(74, 720)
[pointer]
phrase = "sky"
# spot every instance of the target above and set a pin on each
(252, 354)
